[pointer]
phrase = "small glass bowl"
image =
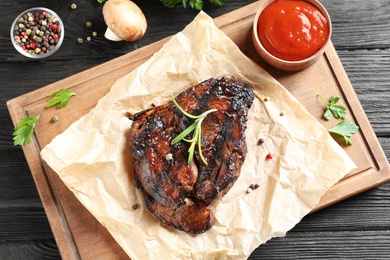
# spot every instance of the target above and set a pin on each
(32, 54)
(282, 64)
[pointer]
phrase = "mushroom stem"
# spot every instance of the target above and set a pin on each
(110, 35)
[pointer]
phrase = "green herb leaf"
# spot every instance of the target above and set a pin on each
(60, 97)
(194, 4)
(101, 1)
(183, 134)
(332, 109)
(345, 129)
(170, 3)
(196, 128)
(24, 131)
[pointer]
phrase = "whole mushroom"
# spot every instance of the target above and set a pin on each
(124, 19)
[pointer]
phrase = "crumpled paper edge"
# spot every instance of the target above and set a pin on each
(268, 208)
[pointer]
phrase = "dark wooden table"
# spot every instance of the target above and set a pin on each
(355, 228)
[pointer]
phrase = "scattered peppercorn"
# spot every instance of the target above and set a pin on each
(261, 141)
(88, 25)
(254, 186)
(80, 40)
(249, 190)
(282, 113)
(266, 99)
(73, 6)
(135, 206)
(169, 157)
(269, 156)
(55, 118)
(37, 32)
(89, 38)
(94, 34)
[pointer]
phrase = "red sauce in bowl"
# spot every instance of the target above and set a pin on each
(292, 29)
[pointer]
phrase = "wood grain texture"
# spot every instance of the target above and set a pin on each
(355, 228)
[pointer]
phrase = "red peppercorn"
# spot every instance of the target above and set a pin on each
(33, 45)
(55, 36)
(44, 13)
(269, 156)
(36, 15)
(54, 27)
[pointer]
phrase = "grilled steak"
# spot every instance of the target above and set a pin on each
(178, 193)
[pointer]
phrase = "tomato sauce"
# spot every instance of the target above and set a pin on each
(292, 29)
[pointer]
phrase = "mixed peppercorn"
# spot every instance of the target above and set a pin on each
(38, 32)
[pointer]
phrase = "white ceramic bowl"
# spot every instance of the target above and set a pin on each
(281, 64)
(19, 46)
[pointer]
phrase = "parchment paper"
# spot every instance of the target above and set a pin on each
(306, 161)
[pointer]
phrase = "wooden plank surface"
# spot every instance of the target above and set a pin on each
(74, 233)
(367, 69)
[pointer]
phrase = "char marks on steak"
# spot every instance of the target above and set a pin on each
(178, 193)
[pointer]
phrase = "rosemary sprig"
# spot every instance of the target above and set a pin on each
(197, 132)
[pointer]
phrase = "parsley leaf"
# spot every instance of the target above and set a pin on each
(194, 4)
(332, 109)
(345, 129)
(101, 1)
(24, 131)
(60, 97)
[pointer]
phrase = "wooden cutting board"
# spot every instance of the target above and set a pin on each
(80, 236)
